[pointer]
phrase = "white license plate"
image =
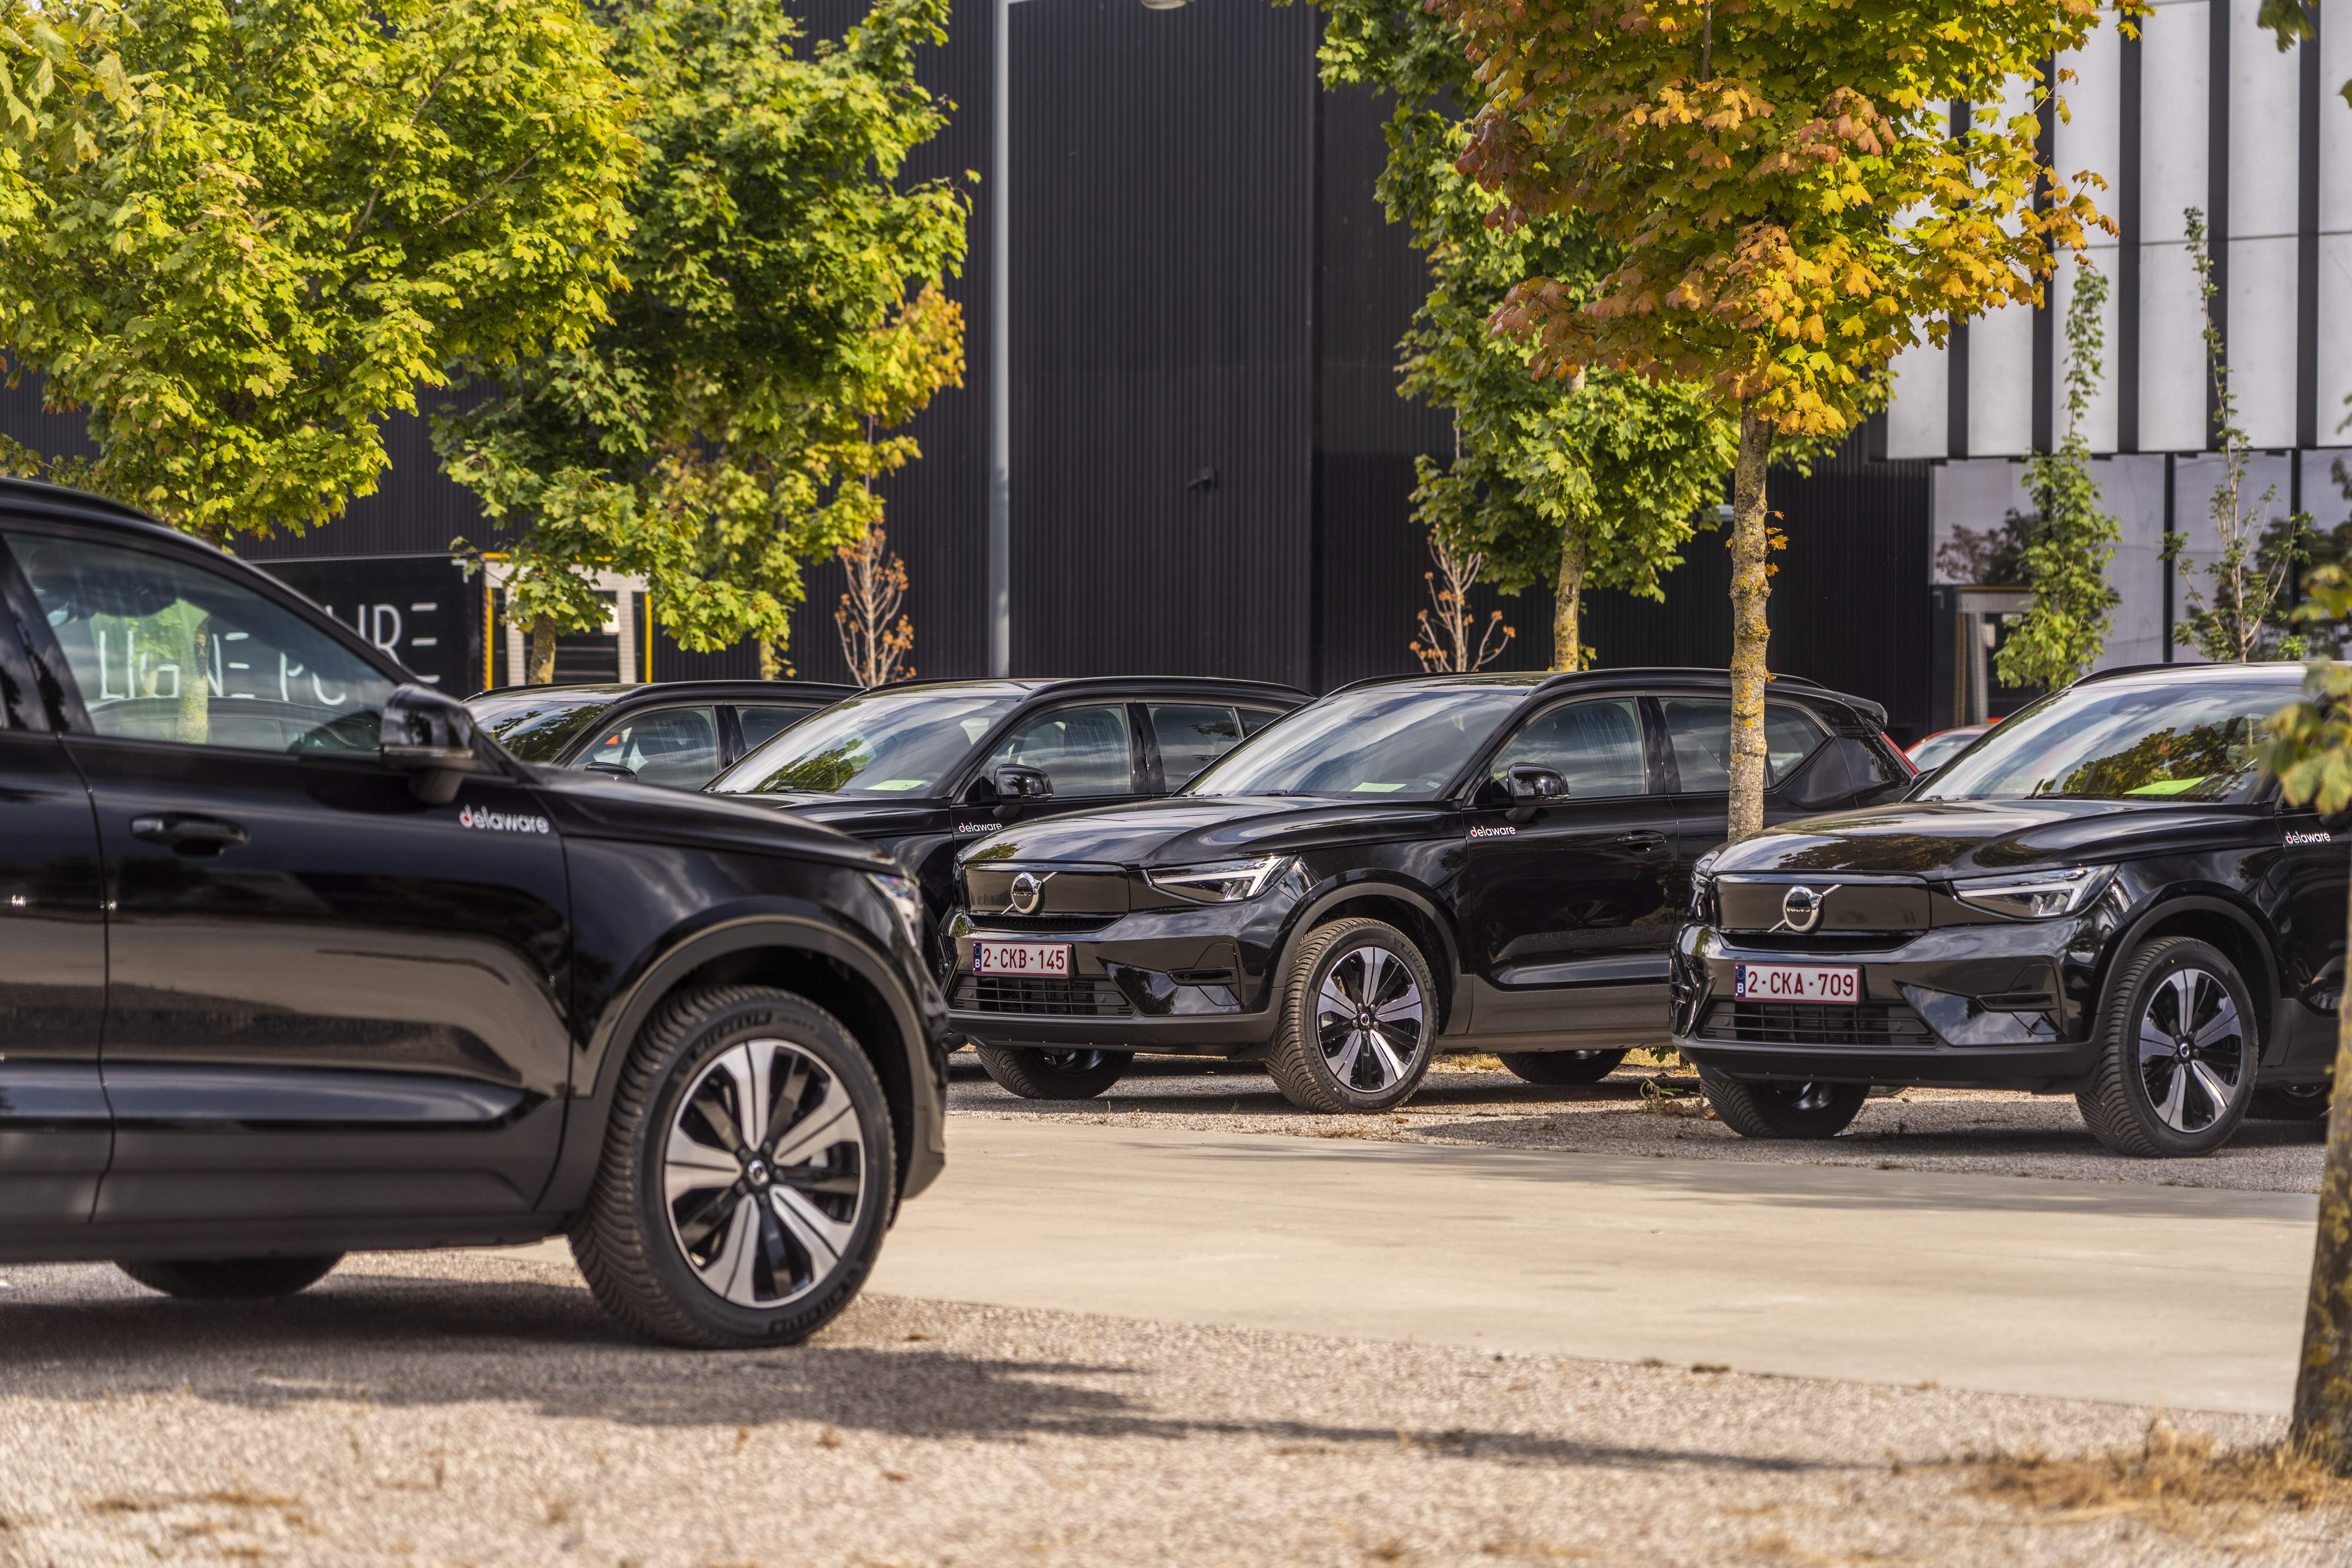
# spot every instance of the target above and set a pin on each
(1795, 983)
(1021, 958)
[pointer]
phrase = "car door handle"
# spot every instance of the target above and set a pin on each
(1644, 842)
(189, 835)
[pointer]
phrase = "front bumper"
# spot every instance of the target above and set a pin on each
(1976, 1006)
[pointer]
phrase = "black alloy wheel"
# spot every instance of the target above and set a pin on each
(1563, 1068)
(233, 1279)
(1806, 1110)
(748, 1175)
(1075, 1074)
(2178, 1054)
(1358, 1020)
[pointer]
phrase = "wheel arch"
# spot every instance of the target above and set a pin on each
(1407, 909)
(2236, 933)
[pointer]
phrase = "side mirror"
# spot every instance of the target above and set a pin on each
(1014, 784)
(429, 737)
(609, 769)
(1531, 788)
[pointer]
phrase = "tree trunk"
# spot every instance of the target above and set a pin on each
(1568, 650)
(192, 725)
(2323, 1384)
(541, 656)
(1751, 585)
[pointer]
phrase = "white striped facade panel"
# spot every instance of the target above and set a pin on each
(2334, 289)
(2265, 118)
(2089, 140)
(2175, 96)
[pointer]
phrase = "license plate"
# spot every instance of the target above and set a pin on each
(1795, 983)
(1021, 958)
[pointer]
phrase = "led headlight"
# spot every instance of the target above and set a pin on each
(907, 900)
(2035, 896)
(1227, 882)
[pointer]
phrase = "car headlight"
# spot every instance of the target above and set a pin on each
(1227, 882)
(2035, 896)
(907, 900)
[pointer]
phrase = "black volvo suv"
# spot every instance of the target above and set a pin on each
(1446, 863)
(296, 962)
(2103, 895)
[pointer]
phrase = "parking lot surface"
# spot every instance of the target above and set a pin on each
(477, 1408)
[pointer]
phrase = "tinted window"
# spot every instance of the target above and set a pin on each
(676, 746)
(2178, 739)
(900, 744)
(1939, 749)
(1190, 735)
(1399, 742)
(163, 649)
(762, 722)
(1595, 745)
(539, 726)
(1084, 750)
(1256, 718)
(1700, 731)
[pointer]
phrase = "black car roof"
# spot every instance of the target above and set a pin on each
(83, 506)
(1031, 685)
(825, 691)
(2285, 671)
(1538, 682)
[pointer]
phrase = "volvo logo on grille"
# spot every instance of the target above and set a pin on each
(1800, 908)
(1026, 889)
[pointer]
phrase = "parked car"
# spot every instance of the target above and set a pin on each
(298, 962)
(1440, 863)
(1940, 747)
(2104, 897)
(679, 733)
(916, 769)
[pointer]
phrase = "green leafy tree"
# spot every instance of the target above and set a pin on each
(2069, 540)
(782, 312)
(1596, 482)
(1789, 207)
(318, 206)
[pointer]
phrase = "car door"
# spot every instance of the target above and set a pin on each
(326, 997)
(1563, 917)
(1697, 733)
(55, 1130)
(1090, 751)
(1181, 739)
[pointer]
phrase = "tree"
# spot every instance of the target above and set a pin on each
(1594, 483)
(1446, 640)
(875, 648)
(2256, 567)
(314, 208)
(1790, 201)
(724, 425)
(2069, 541)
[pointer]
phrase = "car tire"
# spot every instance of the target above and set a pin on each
(2290, 1103)
(749, 1172)
(2188, 1097)
(1054, 1075)
(1792, 1111)
(233, 1279)
(1337, 1050)
(1558, 1069)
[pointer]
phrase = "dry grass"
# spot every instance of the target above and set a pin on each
(1670, 1097)
(1472, 1061)
(2180, 1483)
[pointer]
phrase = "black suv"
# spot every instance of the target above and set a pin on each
(298, 963)
(915, 769)
(679, 733)
(1442, 863)
(2102, 895)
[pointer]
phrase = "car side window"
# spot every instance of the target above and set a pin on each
(676, 746)
(762, 722)
(1596, 745)
(1084, 750)
(1700, 729)
(1256, 718)
(162, 649)
(1190, 735)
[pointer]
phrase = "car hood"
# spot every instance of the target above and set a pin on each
(1188, 830)
(1963, 838)
(859, 818)
(592, 805)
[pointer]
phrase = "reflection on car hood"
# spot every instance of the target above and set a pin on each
(1191, 829)
(862, 817)
(1941, 838)
(595, 805)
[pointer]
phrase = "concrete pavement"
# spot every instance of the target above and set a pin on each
(2187, 1298)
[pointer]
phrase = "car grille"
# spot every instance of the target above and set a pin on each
(1812, 1023)
(1027, 994)
(1005, 920)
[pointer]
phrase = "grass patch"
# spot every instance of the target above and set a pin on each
(2181, 1482)
(1470, 1062)
(1672, 1097)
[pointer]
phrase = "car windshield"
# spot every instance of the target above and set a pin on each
(537, 726)
(2191, 739)
(884, 744)
(1392, 743)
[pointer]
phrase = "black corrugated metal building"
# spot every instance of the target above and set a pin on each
(1210, 462)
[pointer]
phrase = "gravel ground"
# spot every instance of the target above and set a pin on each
(1980, 1131)
(453, 1407)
